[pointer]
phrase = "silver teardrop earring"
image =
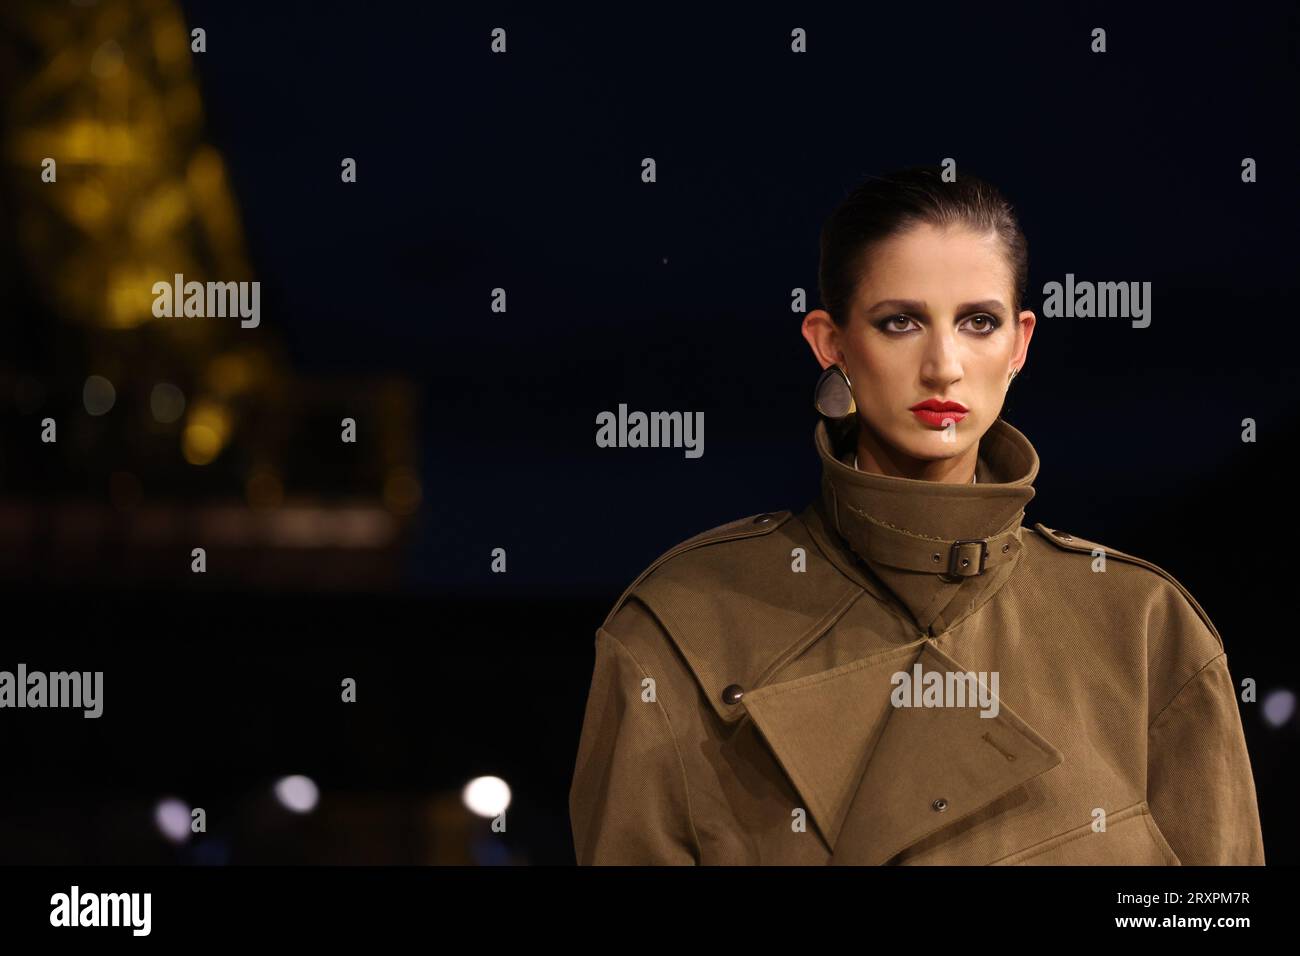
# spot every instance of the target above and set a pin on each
(833, 396)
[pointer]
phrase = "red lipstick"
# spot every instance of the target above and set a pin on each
(937, 413)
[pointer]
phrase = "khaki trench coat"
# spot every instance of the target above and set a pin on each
(747, 707)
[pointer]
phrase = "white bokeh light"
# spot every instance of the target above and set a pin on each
(1279, 707)
(486, 796)
(297, 792)
(172, 818)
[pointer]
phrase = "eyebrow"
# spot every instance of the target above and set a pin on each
(912, 305)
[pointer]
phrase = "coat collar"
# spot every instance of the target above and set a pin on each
(939, 549)
(877, 779)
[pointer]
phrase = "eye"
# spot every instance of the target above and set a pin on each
(887, 324)
(991, 322)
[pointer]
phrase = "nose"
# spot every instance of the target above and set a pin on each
(941, 363)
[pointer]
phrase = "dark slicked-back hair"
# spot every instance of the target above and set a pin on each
(884, 206)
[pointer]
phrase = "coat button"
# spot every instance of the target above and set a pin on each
(732, 694)
(939, 805)
(763, 519)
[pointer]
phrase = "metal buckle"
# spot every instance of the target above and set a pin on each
(952, 556)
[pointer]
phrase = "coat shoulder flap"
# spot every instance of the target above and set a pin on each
(741, 599)
(747, 527)
(1072, 542)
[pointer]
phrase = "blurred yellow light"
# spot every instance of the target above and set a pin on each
(183, 106)
(112, 95)
(200, 444)
(171, 44)
(108, 60)
(206, 432)
(106, 144)
(130, 300)
(230, 374)
(89, 206)
(206, 172)
(160, 213)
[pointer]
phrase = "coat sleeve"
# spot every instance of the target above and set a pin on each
(1200, 787)
(628, 803)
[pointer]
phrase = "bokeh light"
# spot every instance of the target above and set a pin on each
(297, 793)
(167, 402)
(486, 796)
(172, 817)
(1279, 707)
(98, 395)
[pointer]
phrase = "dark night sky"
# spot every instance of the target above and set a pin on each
(522, 171)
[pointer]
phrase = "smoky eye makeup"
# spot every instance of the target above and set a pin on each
(987, 323)
(888, 323)
(991, 324)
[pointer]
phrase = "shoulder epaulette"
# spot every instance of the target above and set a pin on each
(1072, 542)
(748, 527)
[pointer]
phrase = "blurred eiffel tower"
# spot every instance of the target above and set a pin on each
(171, 434)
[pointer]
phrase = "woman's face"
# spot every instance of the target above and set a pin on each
(931, 320)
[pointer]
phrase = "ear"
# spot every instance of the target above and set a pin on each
(1025, 331)
(823, 337)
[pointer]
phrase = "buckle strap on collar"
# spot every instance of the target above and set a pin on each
(960, 562)
(954, 557)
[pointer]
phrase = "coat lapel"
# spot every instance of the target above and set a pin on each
(824, 728)
(873, 776)
(738, 614)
